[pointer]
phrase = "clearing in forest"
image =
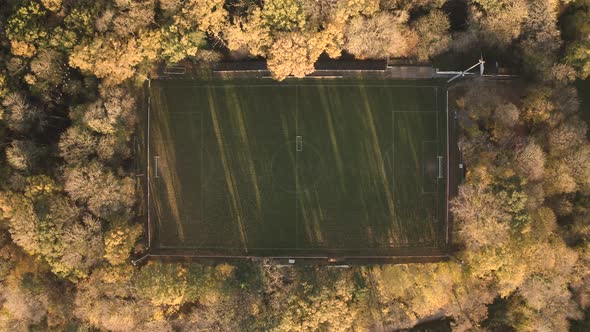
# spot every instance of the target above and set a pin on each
(311, 167)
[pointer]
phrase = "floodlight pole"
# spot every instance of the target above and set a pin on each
(461, 74)
(139, 260)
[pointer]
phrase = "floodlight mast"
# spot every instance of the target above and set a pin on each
(480, 63)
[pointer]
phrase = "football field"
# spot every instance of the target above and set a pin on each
(299, 168)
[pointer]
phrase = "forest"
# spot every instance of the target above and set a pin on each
(71, 74)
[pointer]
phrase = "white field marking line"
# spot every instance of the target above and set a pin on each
(440, 175)
(302, 257)
(149, 225)
(156, 167)
(429, 246)
(296, 169)
(393, 182)
(437, 106)
(424, 169)
(448, 168)
(203, 212)
(190, 112)
(303, 85)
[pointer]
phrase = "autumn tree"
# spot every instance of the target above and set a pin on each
(380, 36)
(44, 222)
(558, 179)
(20, 115)
(411, 4)
(23, 155)
(542, 40)
(77, 25)
(185, 36)
(115, 59)
(538, 104)
(250, 33)
(48, 72)
(545, 300)
(481, 218)
(502, 21)
(119, 241)
(578, 162)
(127, 17)
(210, 15)
(26, 29)
(103, 192)
(567, 135)
(178, 44)
(504, 118)
(104, 127)
(317, 304)
(164, 284)
(292, 54)
(25, 305)
(432, 32)
(170, 7)
(107, 300)
(76, 145)
(530, 161)
(414, 284)
(112, 112)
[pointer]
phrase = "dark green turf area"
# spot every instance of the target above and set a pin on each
(298, 168)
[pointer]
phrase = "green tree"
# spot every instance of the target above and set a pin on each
(163, 284)
(284, 15)
(318, 305)
(26, 29)
(52, 5)
(578, 56)
(178, 44)
(76, 25)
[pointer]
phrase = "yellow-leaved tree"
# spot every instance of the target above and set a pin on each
(115, 59)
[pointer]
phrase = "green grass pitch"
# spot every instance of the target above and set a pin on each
(309, 167)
